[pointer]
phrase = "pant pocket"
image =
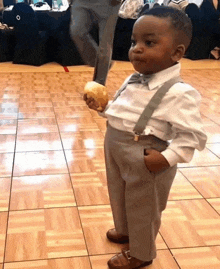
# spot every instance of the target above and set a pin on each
(142, 148)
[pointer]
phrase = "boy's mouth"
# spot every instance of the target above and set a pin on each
(137, 61)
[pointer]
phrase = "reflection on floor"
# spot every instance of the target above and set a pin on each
(54, 205)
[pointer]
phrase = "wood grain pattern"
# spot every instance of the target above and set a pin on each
(7, 143)
(215, 203)
(199, 177)
(40, 163)
(195, 223)
(47, 191)
(6, 164)
(3, 223)
(182, 188)
(52, 171)
(5, 185)
(201, 258)
(42, 234)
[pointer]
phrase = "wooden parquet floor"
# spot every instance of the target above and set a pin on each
(54, 204)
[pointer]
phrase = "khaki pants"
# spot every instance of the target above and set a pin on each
(137, 196)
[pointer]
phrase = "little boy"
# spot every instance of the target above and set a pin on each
(141, 169)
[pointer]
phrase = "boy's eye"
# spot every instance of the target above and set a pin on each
(149, 43)
(132, 42)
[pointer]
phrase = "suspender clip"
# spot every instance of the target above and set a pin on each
(136, 137)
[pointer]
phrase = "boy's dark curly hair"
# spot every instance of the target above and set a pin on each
(181, 24)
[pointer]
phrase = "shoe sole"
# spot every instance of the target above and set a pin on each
(142, 265)
(117, 241)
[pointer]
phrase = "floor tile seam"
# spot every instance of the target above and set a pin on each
(5, 152)
(199, 166)
(199, 68)
(101, 254)
(79, 206)
(213, 207)
(57, 207)
(10, 193)
(213, 153)
(210, 143)
(55, 174)
(168, 248)
(187, 199)
(46, 259)
(194, 199)
(71, 183)
(174, 258)
(38, 151)
(191, 247)
(39, 209)
(26, 71)
(48, 150)
(29, 134)
(191, 183)
(51, 174)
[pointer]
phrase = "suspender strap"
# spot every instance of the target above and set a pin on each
(152, 105)
(121, 90)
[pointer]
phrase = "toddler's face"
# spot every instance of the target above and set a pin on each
(152, 44)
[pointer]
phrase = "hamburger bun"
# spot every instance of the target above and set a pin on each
(98, 92)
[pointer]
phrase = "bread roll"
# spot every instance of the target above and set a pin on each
(98, 92)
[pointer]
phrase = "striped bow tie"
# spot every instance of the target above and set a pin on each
(139, 78)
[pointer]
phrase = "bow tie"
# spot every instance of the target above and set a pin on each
(139, 78)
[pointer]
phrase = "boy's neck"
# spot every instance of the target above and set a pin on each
(149, 75)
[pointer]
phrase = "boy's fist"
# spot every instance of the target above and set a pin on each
(91, 103)
(155, 161)
(95, 95)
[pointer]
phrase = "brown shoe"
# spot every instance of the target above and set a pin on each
(113, 236)
(125, 261)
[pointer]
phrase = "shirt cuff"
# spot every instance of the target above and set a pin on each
(172, 157)
(102, 114)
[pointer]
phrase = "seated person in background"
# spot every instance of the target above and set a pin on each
(179, 4)
(210, 17)
(1, 6)
(216, 4)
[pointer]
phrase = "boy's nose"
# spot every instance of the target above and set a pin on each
(138, 48)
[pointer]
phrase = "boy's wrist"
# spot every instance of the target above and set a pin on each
(172, 157)
(155, 161)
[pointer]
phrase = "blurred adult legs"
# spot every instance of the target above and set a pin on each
(81, 24)
(82, 21)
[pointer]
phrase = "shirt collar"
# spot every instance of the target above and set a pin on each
(161, 77)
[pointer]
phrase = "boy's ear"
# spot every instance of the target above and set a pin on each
(178, 53)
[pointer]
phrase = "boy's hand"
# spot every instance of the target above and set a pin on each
(91, 103)
(155, 161)
(96, 95)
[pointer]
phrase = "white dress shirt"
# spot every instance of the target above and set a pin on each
(177, 118)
